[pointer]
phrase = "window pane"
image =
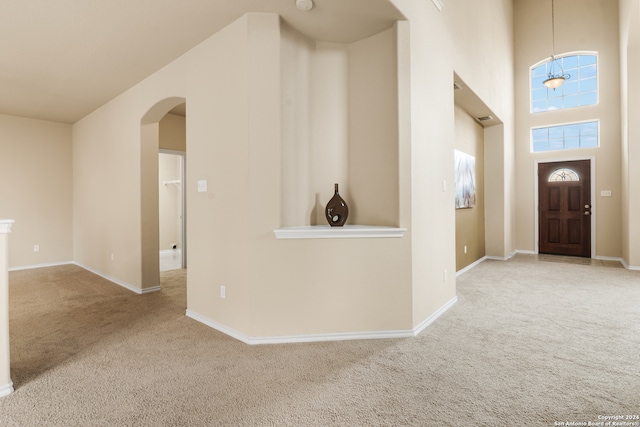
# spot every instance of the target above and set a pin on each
(540, 146)
(587, 72)
(556, 132)
(570, 87)
(570, 62)
(539, 106)
(539, 71)
(588, 98)
(556, 144)
(539, 94)
(589, 141)
(564, 174)
(588, 85)
(555, 104)
(540, 134)
(571, 131)
(536, 83)
(589, 128)
(573, 142)
(571, 101)
(587, 59)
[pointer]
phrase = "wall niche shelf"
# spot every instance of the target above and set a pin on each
(344, 232)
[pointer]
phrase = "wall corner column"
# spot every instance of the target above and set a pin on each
(6, 385)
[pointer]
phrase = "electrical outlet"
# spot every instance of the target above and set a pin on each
(223, 292)
(36, 248)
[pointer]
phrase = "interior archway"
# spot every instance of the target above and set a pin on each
(149, 216)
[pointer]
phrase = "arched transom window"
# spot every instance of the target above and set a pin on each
(564, 175)
(580, 88)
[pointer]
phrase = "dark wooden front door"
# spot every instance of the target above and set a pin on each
(564, 197)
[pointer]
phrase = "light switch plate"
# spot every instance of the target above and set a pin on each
(202, 186)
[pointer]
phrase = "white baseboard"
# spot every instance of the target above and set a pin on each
(603, 258)
(119, 282)
(341, 336)
(621, 260)
(472, 265)
(32, 266)
(96, 272)
(429, 320)
(170, 251)
(6, 389)
(526, 252)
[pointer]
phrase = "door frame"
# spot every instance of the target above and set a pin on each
(536, 196)
(183, 200)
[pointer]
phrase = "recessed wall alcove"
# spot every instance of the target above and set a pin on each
(339, 125)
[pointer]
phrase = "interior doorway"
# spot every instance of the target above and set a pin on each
(565, 208)
(171, 212)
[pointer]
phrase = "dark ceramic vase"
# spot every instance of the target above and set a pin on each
(337, 210)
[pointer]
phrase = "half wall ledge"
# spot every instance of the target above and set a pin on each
(344, 232)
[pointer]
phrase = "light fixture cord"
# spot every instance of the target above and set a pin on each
(553, 33)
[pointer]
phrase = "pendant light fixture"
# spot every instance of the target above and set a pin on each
(554, 79)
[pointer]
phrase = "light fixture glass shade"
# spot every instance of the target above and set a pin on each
(554, 81)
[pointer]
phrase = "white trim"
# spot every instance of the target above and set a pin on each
(439, 312)
(621, 260)
(5, 225)
(119, 282)
(470, 266)
(503, 258)
(536, 228)
(6, 389)
(96, 272)
(526, 252)
(629, 267)
(170, 251)
(341, 336)
(32, 266)
(345, 232)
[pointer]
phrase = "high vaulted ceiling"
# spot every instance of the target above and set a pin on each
(62, 59)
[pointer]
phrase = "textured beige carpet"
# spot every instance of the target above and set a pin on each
(530, 343)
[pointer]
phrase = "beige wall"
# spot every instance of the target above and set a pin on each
(629, 13)
(596, 30)
(173, 133)
(470, 222)
(339, 125)
(240, 131)
(233, 142)
(35, 168)
(373, 130)
(454, 40)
